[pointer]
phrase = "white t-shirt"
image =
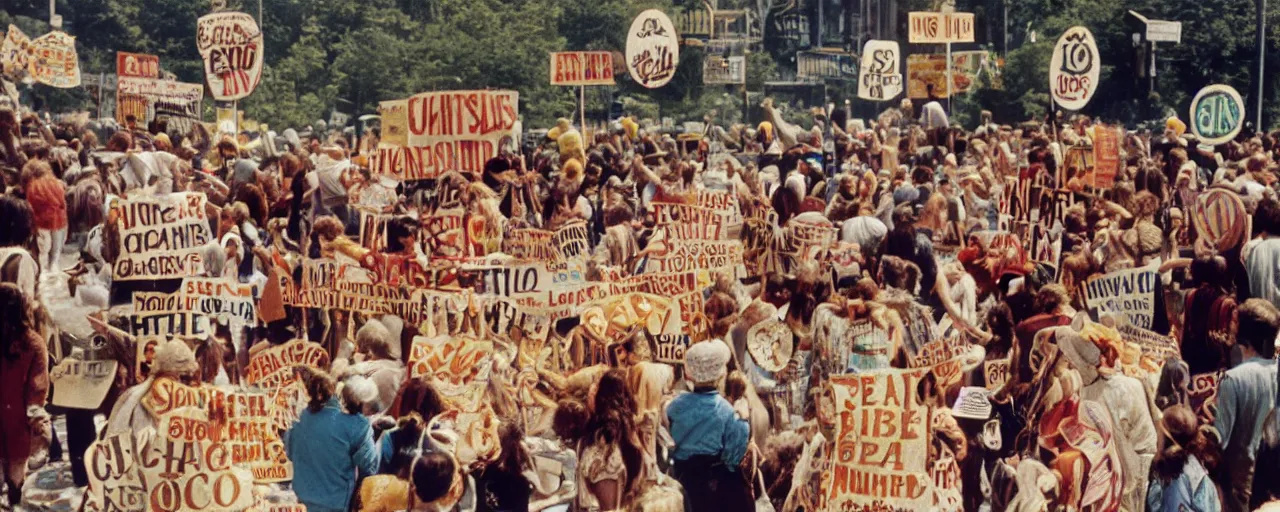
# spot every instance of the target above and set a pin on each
(28, 269)
(933, 116)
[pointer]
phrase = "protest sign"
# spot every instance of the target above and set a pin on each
(1156, 347)
(881, 442)
(82, 384)
(1203, 392)
(770, 344)
(395, 123)
(880, 76)
(161, 236)
(15, 52)
(243, 427)
(817, 65)
(669, 348)
(924, 70)
(1217, 114)
(653, 49)
(148, 98)
(1106, 156)
(940, 27)
(269, 369)
(689, 255)
(446, 131)
(582, 68)
(1130, 293)
(373, 230)
(945, 473)
(948, 359)
(167, 314)
(137, 65)
(459, 368)
(996, 372)
(54, 62)
(1075, 69)
(232, 48)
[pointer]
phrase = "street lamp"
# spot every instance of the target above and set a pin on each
(1262, 56)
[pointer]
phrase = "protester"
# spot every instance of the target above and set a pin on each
(710, 437)
(330, 448)
(1245, 394)
(24, 379)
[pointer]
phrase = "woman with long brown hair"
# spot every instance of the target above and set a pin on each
(1180, 473)
(24, 383)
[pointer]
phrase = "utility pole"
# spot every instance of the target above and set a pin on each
(1262, 58)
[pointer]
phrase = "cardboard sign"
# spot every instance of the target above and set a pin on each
(880, 76)
(447, 131)
(881, 442)
(166, 314)
(940, 27)
(271, 368)
(1130, 293)
(147, 98)
(161, 237)
(82, 384)
(1075, 69)
(771, 344)
(996, 372)
(1203, 392)
(459, 368)
(582, 68)
(1217, 114)
(137, 65)
(653, 49)
(232, 48)
(1106, 156)
(54, 61)
(1155, 347)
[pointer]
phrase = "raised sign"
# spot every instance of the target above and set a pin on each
(161, 237)
(653, 49)
(1217, 114)
(582, 68)
(137, 65)
(445, 131)
(1075, 69)
(940, 27)
(82, 384)
(880, 76)
(231, 45)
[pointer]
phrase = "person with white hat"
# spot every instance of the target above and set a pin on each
(710, 438)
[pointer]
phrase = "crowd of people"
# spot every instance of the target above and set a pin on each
(982, 240)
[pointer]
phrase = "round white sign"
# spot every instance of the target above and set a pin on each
(1217, 114)
(653, 49)
(1075, 69)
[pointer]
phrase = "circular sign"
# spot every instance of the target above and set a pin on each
(1075, 69)
(1217, 114)
(1221, 219)
(653, 50)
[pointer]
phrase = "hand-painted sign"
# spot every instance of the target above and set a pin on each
(1075, 69)
(137, 65)
(161, 237)
(1217, 114)
(232, 48)
(1128, 292)
(582, 68)
(880, 76)
(148, 98)
(653, 49)
(444, 131)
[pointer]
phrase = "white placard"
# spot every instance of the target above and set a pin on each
(880, 76)
(232, 48)
(653, 49)
(1075, 69)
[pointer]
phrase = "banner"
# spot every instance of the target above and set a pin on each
(881, 442)
(770, 344)
(1106, 156)
(1075, 69)
(232, 48)
(445, 131)
(880, 76)
(82, 384)
(669, 348)
(1127, 292)
(1217, 114)
(996, 372)
(582, 68)
(148, 98)
(272, 371)
(15, 53)
(166, 314)
(459, 368)
(816, 65)
(653, 49)
(138, 65)
(925, 70)
(161, 237)
(940, 27)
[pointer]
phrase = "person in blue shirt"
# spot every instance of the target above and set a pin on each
(329, 448)
(710, 438)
